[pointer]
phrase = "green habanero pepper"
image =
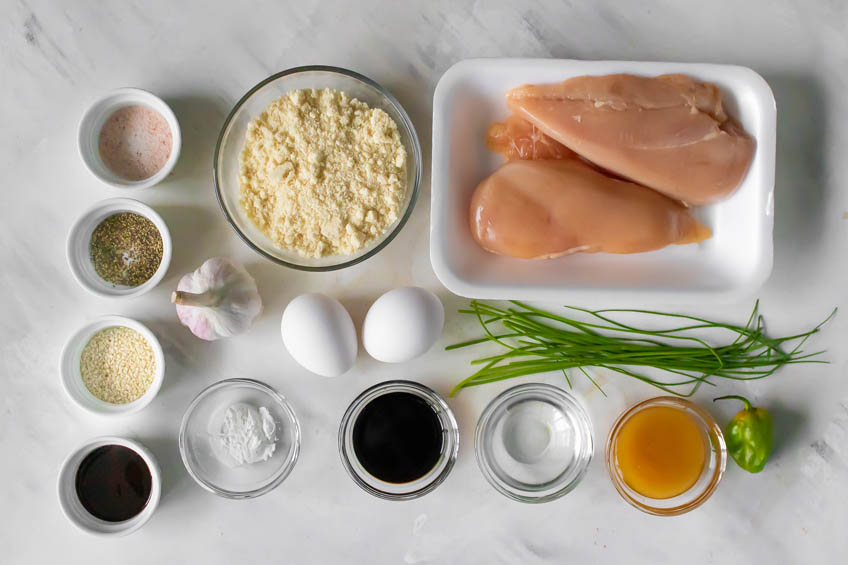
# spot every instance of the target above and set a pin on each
(749, 436)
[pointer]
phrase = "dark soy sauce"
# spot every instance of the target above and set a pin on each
(397, 437)
(113, 483)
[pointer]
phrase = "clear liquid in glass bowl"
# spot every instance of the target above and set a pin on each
(534, 442)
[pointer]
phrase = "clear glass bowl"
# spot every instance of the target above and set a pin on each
(418, 487)
(710, 475)
(205, 461)
(231, 141)
(534, 442)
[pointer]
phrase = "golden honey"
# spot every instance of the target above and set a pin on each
(660, 451)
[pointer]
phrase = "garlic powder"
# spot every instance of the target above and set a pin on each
(117, 365)
(322, 173)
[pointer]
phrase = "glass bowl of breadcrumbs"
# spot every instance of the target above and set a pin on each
(317, 168)
(112, 366)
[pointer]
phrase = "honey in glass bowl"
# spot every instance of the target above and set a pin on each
(666, 455)
(661, 452)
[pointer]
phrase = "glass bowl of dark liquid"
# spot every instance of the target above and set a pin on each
(398, 440)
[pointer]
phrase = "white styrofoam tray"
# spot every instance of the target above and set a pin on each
(731, 265)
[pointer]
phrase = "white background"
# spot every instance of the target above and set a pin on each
(57, 57)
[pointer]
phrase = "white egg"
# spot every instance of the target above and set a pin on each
(402, 324)
(319, 334)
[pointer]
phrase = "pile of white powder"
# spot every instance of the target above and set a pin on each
(248, 435)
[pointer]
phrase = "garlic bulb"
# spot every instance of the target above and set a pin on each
(220, 299)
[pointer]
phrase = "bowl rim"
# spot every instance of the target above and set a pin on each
(417, 159)
(719, 456)
(386, 387)
(282, 473)
(116, 206)
(566, 401)
(86, 332)
(116, 529)
(156, 103)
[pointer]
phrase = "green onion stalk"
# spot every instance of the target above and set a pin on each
(536, 341)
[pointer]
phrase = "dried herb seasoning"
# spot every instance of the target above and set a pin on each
(126, 249)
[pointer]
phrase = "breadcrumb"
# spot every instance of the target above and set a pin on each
(322, 173)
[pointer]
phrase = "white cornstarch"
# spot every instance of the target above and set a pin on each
(248, 435)
(322, 173)
(117, 365)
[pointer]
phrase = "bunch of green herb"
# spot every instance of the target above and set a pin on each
(538, 341)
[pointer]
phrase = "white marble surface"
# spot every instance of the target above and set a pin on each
(56, 57)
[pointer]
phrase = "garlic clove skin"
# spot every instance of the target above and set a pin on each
(218, 300)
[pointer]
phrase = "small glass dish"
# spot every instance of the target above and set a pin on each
(225, 168)
(534, 442)
(207, 463)
(418, 487)
(710, 475)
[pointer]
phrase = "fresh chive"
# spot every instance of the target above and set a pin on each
(533, 344)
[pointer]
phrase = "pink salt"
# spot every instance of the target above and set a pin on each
(135, 142)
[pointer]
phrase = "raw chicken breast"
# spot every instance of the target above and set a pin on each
(544, 209)
(516, 138)
(669, 132)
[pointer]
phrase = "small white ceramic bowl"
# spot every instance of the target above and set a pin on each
(71, 378)
(73, 508)
(79, 242)
(94, 119)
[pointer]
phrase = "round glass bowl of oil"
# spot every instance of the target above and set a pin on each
(534, 442)
(666, 455)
